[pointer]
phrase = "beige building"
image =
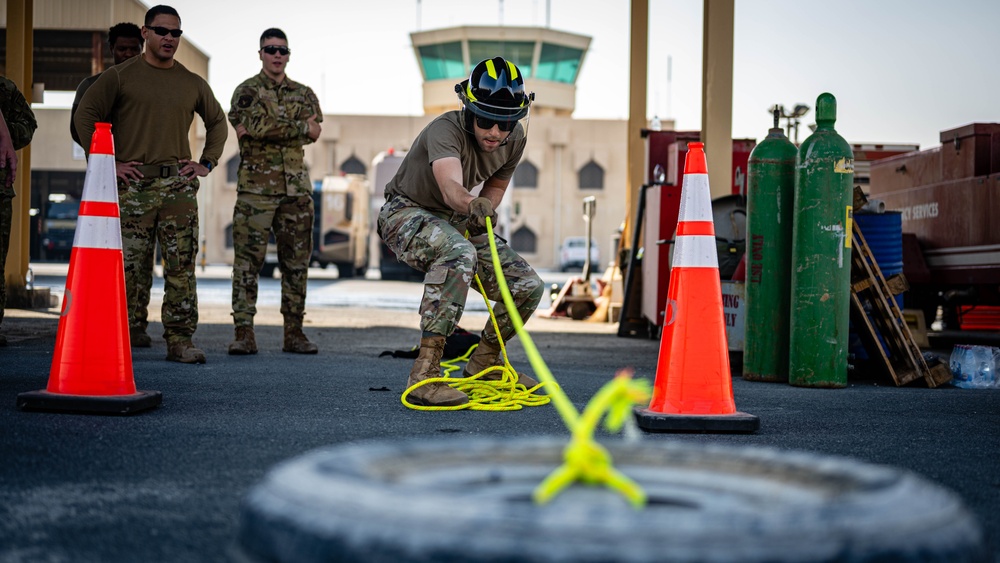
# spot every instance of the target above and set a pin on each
(566, 159)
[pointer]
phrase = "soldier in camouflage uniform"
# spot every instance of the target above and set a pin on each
(150, 101)
(273, 117)
(429, 207)
(17, 125)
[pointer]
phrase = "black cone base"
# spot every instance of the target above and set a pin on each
(113, 404)
(738, 422)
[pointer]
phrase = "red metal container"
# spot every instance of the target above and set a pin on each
(948, 197)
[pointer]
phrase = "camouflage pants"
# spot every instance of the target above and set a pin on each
(291, 219)
(6, 217)
(435, 243)
(163, 209)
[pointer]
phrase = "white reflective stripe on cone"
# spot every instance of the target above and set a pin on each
(101, 182)
(695, 251)
(696, 199)
(98, 232)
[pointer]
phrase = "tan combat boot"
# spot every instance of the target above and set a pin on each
(428, 364)
(487, 355)
(245, 342)
(295, 340)
(183, 351)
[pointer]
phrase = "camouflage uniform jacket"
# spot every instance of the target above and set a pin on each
(272, 159)
(20, 121)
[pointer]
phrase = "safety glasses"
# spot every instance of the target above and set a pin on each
(275, 49)
(162, 31)
(486, 123)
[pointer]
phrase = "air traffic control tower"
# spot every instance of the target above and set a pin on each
(550, 61)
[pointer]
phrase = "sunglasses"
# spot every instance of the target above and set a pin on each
(275, 49)
(486, 123)
(162, 31)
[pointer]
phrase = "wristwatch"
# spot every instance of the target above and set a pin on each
(204, 162)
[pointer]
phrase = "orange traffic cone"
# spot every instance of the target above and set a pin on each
(92, 363)
(694, 390)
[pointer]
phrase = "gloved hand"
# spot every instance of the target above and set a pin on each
(479, 209)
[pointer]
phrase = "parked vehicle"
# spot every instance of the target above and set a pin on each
(59, 227)
(573, 253)
(384, 167)
(340, 231)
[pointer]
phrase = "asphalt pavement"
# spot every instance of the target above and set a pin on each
(166, 484)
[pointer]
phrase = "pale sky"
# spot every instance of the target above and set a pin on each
(902, 70)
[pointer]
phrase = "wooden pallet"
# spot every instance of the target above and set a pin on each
(878, 319)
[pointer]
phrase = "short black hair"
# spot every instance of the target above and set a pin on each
(127, 30)
(159, 10)
(272, 32)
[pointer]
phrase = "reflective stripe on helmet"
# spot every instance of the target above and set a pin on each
(513, 71)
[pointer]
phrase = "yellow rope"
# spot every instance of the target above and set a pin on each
(584, 459)
(504, 394)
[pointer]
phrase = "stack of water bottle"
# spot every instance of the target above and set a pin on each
(974, 367)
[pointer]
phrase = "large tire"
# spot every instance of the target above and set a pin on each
(470, 500)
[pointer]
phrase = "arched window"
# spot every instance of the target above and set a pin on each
(524, 240)
(233, 169)
(591, 176)
(353, 166)
(526, 175)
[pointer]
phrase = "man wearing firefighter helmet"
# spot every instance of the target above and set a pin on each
(429, 207)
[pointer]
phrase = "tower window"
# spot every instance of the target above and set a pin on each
(442, 60)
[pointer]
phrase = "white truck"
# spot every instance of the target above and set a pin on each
(384, 167)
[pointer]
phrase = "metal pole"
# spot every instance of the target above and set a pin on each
(20, 44)
(638, 59)
(589, 205)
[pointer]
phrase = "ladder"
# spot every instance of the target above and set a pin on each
(878, 319)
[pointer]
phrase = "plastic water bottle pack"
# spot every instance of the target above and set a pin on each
(974, 367)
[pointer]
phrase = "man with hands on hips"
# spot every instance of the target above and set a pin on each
(150, 101)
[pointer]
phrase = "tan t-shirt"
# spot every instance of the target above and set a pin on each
(150, 110)
(446, 137)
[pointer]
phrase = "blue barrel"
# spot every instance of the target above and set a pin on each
(883, 233)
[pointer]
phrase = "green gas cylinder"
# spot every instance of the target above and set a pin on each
(770, 192)
(821, 255)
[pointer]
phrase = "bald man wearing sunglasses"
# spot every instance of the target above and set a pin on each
(151, 101)
(430, 207)
(274, 117)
